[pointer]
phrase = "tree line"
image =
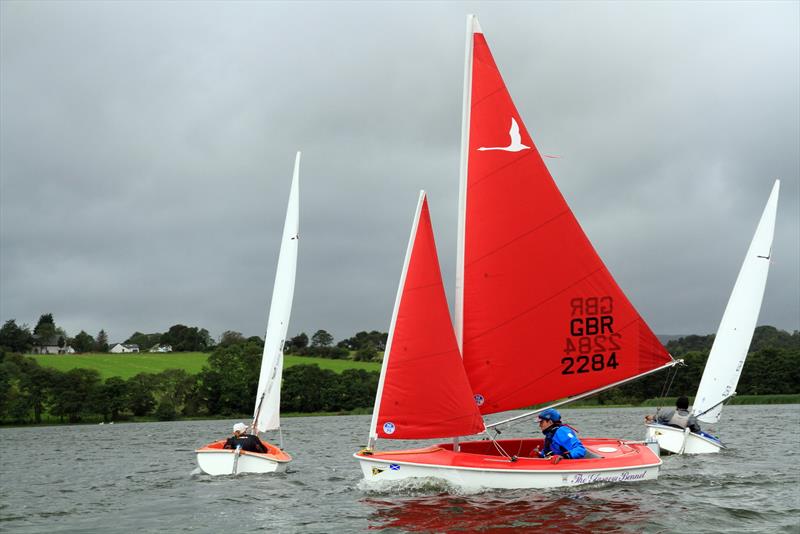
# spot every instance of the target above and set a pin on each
(772, 368)
(226, 386)
(364, 346)
(20, 338)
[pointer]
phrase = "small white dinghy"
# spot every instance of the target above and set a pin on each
(729, 351)
(538, 318)
(213, 458)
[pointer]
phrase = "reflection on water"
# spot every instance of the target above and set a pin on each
(520, 512)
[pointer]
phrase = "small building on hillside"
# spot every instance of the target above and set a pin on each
(120, 348)
(163, 347)
(52, 349)
(51, 346)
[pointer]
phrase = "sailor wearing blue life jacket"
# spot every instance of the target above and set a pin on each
(560, 441)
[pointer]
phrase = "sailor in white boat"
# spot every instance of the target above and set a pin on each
(680, 417)
(560, 440)
(248, 442)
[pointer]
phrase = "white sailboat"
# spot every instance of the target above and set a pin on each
(213, 458)
(729, 351)
(538, 318)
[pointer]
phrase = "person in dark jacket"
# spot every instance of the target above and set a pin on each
(560, 441)
(247, 442)
(678, 418)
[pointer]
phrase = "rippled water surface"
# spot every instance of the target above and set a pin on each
(129, 477)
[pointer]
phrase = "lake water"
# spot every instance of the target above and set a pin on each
(143, 477)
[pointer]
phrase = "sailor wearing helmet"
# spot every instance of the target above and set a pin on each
(560, 441)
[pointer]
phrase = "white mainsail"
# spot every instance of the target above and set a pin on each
(728, 353)
(266, 415)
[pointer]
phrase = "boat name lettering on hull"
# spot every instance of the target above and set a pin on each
(581, 478)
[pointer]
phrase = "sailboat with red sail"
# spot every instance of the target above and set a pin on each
(539, 319)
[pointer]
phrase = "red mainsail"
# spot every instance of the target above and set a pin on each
(543, 319)
(423, 390)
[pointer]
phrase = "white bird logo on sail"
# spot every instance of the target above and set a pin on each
(516, 140)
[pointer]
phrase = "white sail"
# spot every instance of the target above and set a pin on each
(266, 415)
(728, 353)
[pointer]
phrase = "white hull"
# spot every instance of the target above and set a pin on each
(224, 462)
(477, 478)
(679, 441)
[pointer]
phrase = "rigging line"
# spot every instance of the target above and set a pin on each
(499, 447)
(586, 394)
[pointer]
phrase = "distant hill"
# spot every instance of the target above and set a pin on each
(666, 338)
(764, 337)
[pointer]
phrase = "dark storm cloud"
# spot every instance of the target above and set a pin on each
(146, 152)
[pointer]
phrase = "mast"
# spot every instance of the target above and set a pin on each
(472, 27)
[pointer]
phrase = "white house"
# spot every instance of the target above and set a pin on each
(53, 349)
(161, 348)
(123, 347)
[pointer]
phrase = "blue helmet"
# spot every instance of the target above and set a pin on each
(550, 414)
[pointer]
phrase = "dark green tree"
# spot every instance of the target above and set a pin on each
(73, 393)
(187, 339)
(229, 337)
(111, 398)
(101, 342)
(296, 344)
(141, 398)
(83, 342)
(15, 338)
(307, 388)
(45, 329)
(367, 353)
(321, 338)
(145, 341)
(229, 380)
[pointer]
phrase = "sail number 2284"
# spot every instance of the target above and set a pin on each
(585, 363)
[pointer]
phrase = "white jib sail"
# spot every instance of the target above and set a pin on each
(268, 399)
(728, 353)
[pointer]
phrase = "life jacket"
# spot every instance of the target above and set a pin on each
(680, 419)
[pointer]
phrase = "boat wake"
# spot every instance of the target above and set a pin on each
(415, 487)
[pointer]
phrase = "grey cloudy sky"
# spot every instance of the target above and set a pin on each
(146, 151)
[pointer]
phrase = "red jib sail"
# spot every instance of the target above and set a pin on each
(423, 390)
(543, 319)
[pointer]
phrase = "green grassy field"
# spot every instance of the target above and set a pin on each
(128, 365)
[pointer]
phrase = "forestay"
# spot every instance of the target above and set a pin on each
(729, 351)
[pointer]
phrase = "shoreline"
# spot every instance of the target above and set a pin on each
(744, 400)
